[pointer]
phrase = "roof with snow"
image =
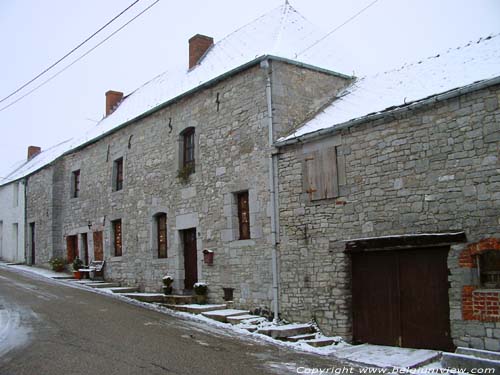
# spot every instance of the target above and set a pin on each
(456, 68)
(282, 33)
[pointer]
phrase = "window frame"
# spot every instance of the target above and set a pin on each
(117, 233)
(161, 221)
(243, 209)
(118, 174)
(188, 149)
(486, 270)
(75, 183)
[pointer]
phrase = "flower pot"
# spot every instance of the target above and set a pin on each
(58, 268)
(167, 290)
(77, 275)
(200, 299)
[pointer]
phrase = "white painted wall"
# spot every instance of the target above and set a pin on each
(12, 222)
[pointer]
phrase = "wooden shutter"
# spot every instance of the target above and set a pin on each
(321, 174)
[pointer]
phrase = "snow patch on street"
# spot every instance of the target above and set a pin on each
(12, 333)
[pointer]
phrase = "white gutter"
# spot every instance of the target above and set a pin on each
(404, 108)
(272, 159)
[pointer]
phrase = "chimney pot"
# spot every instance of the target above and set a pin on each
(198, 45)
(33, 151)
(113, 99)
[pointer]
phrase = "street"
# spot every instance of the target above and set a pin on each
(59, 329)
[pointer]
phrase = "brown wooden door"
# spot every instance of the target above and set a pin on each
(190, 258)
(98, 247)
(85, 246)
(71, 248)
(400, 298)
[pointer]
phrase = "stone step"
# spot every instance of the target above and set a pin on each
(287, 330)
(195, 309)
(244, 318)
(146, 297)
(178, 299)
(63, 277)
(322, 341)
(222, 315)
(470, 363)
(123, 289)
(486, 354)
(103, 285)
(305, 336)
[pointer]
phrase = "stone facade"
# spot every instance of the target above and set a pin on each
(429, 170)
(12, 222)
(232, 149)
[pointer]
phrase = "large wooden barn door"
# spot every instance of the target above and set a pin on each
(400, 298)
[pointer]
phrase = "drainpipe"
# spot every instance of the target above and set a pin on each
(272, 161)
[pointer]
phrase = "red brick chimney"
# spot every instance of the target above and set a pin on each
(198, 45)
(113, 99)
(33, 151)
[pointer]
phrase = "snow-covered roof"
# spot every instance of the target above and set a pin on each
(282, 32)
(458, 67)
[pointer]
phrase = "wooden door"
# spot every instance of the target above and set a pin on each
(400, 298)
(33, 244)
(98, 246)
(190, 258)
(71, 248)
(85, 245)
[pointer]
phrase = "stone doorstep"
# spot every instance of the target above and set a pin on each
(222, 315)
(305, 336)
(323, 341)
(103, 285)
(287, 330)
(145, 297)
(122, 289)
(469, 362)
(486, 354)
(175, 299)
(243, 318)
(65, 277)
(195, 309)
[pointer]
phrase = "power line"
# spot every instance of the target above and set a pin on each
(338, 27)
(69, 53)
(78, 59)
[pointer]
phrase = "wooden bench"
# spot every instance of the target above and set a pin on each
(94, 269)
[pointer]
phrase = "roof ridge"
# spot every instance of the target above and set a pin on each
(449, 50)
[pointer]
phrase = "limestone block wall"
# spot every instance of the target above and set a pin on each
(430, 170)
(231, 137)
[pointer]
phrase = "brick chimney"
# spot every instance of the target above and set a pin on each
(198, 45)
(113, 99)
(33, 151)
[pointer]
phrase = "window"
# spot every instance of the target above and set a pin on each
(489, 265)
(75, 184)
(161, 235)
(187, 155)
(321, 174)
(15, 187)
(117, 238)
(118, 174)
(243, 215)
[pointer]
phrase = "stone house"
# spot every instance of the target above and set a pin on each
(294, 177)
(389, 205)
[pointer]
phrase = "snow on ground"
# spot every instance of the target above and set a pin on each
(370, 355)
(12, 332)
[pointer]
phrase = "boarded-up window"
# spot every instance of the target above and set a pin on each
(321, 177)
(243, 215)
(117, 237)
(161, 229)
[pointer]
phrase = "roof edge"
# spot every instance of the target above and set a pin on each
(206, 84)
(386, 113)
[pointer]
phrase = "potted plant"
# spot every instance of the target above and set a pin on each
(200, 291)
(167, 284)
(184, 172)
(77, 264)
(57, 264)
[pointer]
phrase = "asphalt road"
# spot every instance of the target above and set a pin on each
(68, 331)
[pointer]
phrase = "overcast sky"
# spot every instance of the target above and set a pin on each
(34, 34)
